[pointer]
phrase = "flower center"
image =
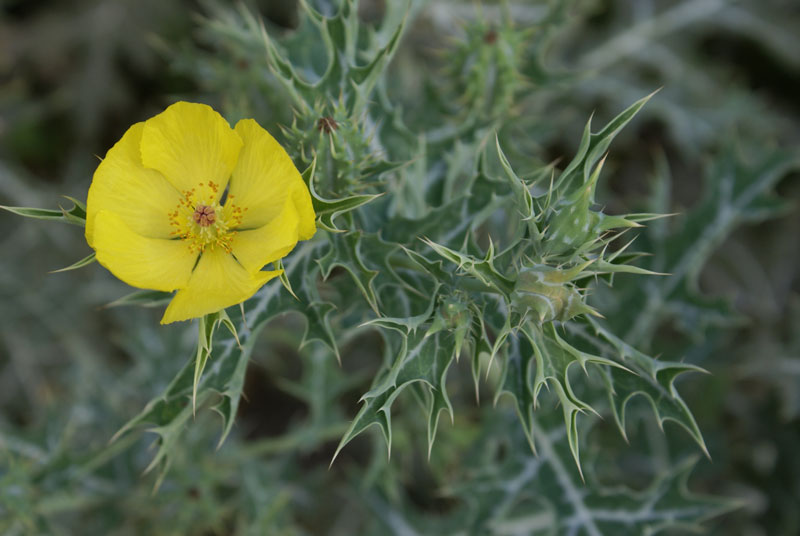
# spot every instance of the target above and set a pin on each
(202, 222)
(204, 215)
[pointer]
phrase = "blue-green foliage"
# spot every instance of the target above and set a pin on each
(466, 263)
(430, 276)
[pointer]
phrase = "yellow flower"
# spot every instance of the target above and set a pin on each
(184, 202)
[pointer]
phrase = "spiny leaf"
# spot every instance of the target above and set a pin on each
(450, 223)
(521, 195)
(480, 347)
(143, 298)
(222, 376)
(594, 145)
(301, 91)
(654, 380)
(517, 382)
(409, 323)
(370, 414)
(328, 210)
(89, 259)
(284, 278)
(419, 359)
(736, 193)
(205, 340)
(75, 215)
(364, 78)
(438, 402)
(304, 275)
(483, 270)
(554, 357)
(230, 382)
(345, 252)
(574, 229)
(343, 73)
(541, 358)
(549, 497)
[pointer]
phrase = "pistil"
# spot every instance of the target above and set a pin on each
(204, 215)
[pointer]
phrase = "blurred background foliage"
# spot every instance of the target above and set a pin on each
(76, 74)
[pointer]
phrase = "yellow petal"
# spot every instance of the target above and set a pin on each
(191, 144)
(307, 219)
(264, 178)
(140, 196)
(143, 262)
(268, 243)
(217, 282)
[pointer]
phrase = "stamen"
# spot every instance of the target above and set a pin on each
(202, 222)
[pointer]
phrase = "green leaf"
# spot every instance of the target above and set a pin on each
(79, 264)
(223, 376)
(328, 210)
(543, 494)
(205, 340)
(143, 298)
(168, 413)
(594, 145)
(419, 359)
(653, 379)
(365, 77)
(482, 270)
(340, 36)
(517, 381)
(303, 273)
(409, 323)
(207, 326)
(542, 359)
(75, 215)
(735, 194)
(521, 195)
(345, 252)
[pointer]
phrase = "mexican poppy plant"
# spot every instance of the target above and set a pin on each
(185, 202)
